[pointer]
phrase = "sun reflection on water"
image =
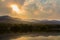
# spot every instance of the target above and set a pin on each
(39, 38)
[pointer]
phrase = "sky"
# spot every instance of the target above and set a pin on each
(34, 9)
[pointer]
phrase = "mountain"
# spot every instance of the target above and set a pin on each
(8, 19)
(46, 21)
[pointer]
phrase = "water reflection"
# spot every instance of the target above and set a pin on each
(31, 36)
(38, 38)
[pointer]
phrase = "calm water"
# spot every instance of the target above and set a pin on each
(32, 36)
(38, 38)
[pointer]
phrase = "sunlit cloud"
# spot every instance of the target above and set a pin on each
(34, 9)
(42, 9)
(15, 8)
(2, 0)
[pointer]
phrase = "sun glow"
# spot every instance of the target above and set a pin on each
(15, 8)
(2, 0)
(17, 11)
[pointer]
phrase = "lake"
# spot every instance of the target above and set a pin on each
(30, 36)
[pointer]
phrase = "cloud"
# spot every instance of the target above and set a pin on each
(42, 9)
(3, 5)
(38, 9)
(21, 2)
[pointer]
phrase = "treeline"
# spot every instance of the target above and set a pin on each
(24, 28)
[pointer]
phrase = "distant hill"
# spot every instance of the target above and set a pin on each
(11, 20)
(8, 19)
(46, 21)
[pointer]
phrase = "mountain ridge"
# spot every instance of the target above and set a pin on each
(8, 19)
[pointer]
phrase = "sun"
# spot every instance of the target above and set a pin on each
(17, 11)
(15, 8)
